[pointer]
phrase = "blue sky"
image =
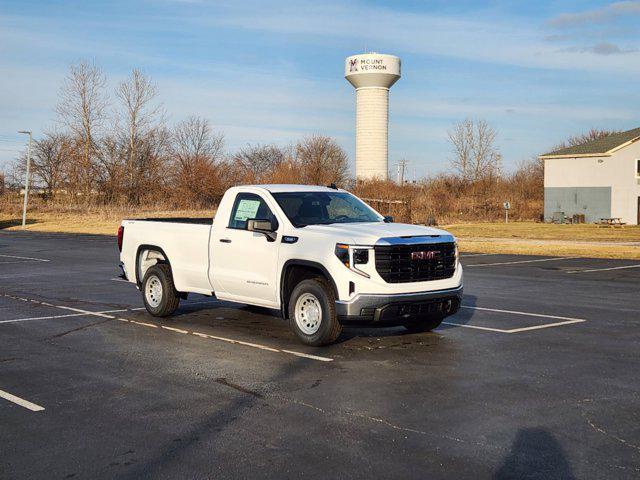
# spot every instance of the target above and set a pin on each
(271, 72)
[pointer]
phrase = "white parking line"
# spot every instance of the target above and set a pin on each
(477, 327)
(604, 269)
(14, 261)
(527, 314)
(239, 342)
(144, 324)
(16, 320)
(26, 258)
(547, 325)
(173, 329)
(520, 261)
(53, 317)
(306, 355)
(566, 321)
(21, 401)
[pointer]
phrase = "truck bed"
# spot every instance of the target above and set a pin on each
(185, 241)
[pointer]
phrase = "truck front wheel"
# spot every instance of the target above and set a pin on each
(158, 291)
(312, 312)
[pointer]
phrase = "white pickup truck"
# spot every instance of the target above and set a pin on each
(320, 255)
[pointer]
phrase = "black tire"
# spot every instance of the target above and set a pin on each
(168, 299)
(424, 324)
(329, 328)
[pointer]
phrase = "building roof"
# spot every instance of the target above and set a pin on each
(600, 146)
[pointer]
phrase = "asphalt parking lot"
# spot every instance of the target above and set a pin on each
(538, 376)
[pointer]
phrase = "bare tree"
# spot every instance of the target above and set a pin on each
(461, 138)
(49, 161)
(592, 134)
(139, 116)
(193, 138)
(82, 108)
(260, 161)
(154, 178)
(196, 152)
(112, 171)
(475, 156)
(321, 160)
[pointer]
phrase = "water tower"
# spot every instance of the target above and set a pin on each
(372, 74)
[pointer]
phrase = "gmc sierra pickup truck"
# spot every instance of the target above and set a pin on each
(320, 255)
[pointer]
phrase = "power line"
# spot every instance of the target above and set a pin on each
(402, 165)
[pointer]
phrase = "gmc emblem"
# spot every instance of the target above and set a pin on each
(424, 255)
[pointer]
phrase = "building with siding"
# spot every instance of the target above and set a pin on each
(599, 178)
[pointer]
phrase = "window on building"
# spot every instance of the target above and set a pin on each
(638, 168)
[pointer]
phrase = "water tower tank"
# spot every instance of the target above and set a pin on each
(372, 74)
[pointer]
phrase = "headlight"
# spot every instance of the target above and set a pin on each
(360, 256)
(351, 256)
(342, 252)
(457, 252)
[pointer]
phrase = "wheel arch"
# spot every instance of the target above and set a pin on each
(147, 247)
(294, 271)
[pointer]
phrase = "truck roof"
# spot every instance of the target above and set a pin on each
(277, 188)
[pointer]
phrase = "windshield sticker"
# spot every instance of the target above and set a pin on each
(247, 209)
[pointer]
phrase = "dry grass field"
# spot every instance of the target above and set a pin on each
(545, 231)
(104, 221)
(548, 239)
(551, 248)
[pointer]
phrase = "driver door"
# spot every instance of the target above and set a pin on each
(245, 263)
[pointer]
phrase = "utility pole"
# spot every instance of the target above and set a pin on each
(26, 179)
(402, 164)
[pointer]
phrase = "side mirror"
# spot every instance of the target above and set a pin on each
(262, 226)
(388, 219)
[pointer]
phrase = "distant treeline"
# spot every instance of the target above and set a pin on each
(115, 148)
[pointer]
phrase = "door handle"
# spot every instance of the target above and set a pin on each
(225, 240)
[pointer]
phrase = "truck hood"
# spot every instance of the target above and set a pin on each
(372, 233)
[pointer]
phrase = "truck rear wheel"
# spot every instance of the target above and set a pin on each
(158, 291)
(424, 324)
(312, 312)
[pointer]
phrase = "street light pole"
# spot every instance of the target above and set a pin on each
(26, 180)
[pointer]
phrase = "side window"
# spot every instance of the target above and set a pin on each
(249, 206)
(638, 168)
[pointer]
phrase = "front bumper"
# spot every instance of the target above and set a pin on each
(397, 308)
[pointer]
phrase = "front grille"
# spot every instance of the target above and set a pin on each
(395, 265)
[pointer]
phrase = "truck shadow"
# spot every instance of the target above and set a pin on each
(266, 322)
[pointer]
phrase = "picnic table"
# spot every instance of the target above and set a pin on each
(611, 222)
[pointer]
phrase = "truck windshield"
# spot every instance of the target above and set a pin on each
(324, 208)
